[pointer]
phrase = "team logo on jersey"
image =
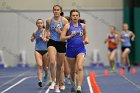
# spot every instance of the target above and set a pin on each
(78, 33)
(54, 26)
(58, 25)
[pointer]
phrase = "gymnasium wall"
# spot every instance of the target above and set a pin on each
(18, 23)
(67, 4)
(132, 17)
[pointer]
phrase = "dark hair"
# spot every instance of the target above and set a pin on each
(42, 21)
(62, 13)
(68, 18)
(57, 6)
(43, 26)
(74, 10)
(38, 20)
(82, 21)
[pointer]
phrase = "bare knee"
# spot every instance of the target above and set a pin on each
(123, 56)
(111, 59)
(40, 66)
(80, 68)
(52, 61)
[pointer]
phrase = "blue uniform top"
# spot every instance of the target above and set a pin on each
(126, 37)
(40, 44)
(53, 25)
(77, 40)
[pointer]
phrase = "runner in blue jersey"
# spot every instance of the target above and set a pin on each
(126, 38)
(76, 36)
(56, 48)
(40, 50)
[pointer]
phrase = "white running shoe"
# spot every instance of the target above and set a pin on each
(52, 85)
(79, 89)
(57, 89)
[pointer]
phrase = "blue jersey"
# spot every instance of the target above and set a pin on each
(77, 40)
(75, 44)
(53, 25)
(126, 37)
(40, 44)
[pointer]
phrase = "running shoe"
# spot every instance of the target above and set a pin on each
(114, 66)
(40, 84)
(57, 89)
(62, 86)
(45, 78)
(129, 67)
(113, 69)
(79, 89)
(52, 85)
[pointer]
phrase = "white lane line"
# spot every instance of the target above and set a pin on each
(46, 84)
(18, 83)
(134, 84)
(22, 74)
(8, 76)
(89, 84)
(47, 91)
(14, 85)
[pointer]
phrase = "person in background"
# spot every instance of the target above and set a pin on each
(126, 37)
(40, 51)
(112, 41)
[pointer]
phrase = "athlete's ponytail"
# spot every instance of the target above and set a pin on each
(68, 18)
(62, 13)
(82, 21)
